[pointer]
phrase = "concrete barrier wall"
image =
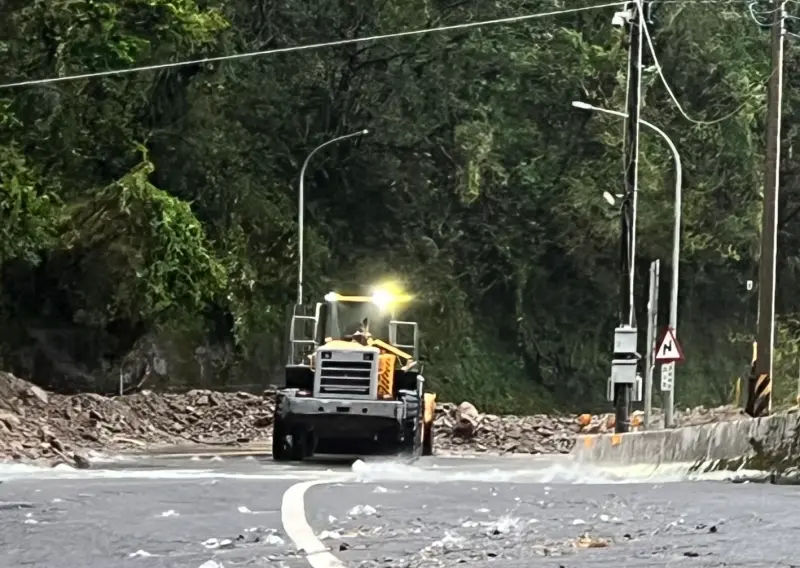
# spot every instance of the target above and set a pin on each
(725, 441)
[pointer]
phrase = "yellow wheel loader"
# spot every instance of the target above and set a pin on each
(352, 387)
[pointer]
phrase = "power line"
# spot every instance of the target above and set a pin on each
(235, 56)
(675, 100)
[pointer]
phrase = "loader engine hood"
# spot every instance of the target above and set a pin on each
(346, 369)
(344, 345)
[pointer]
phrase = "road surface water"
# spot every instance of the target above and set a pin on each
(226, 511)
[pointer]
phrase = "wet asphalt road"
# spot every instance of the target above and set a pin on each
(486, 512)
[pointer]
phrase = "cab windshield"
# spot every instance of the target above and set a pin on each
(346, 318)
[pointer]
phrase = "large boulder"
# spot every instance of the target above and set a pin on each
(467, 420)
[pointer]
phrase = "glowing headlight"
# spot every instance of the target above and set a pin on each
(382, 299)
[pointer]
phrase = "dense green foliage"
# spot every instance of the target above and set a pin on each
(154, 212)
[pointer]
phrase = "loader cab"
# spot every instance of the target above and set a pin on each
(346, 320)
(340, 318)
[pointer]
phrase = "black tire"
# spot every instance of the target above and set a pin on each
(279, 450)
(427, 439)
(299, 448)
(411, 444)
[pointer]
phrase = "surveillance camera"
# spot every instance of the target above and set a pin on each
(621, 18)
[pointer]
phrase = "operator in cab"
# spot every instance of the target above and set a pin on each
(361, 333)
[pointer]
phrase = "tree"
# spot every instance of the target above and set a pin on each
(161, 204)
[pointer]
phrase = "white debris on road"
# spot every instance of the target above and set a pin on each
(329, 535)
(362, 510)
(215, 543)
(449, 542)
(504, 525)
(271, 537)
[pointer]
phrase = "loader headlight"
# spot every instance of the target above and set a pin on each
(382, 299)
(369, 356)
(326, 354)
(389, 296)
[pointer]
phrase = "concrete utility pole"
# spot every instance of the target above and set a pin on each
(301, 206)
(623, 387)
(759, 388)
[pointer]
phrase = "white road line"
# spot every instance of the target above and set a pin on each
(293, 517)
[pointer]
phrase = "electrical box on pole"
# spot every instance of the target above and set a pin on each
(624, 366)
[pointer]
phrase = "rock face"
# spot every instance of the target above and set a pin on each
(37, 425)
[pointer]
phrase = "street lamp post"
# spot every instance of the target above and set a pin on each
(301, 208)
(676, 237)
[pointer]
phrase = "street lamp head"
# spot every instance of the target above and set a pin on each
(581, 105)
(609, 198)
(365, 131)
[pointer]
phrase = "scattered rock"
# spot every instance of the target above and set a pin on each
(586, 541)
(604, 423)
(37, 393)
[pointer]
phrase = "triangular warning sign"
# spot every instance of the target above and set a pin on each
(669, 349)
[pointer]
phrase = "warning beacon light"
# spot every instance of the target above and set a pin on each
(385, 297)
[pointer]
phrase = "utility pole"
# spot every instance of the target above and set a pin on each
(759, 399)
(625, 349)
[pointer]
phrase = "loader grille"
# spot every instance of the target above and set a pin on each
(345, 378)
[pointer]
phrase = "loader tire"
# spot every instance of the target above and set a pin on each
(411, 444)
(279, 450)
(300, 444)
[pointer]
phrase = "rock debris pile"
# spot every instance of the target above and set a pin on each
(39, 426)
(35, 424)
(462, 427)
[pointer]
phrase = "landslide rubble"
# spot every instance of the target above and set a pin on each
(36, 425)
(462, 427)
